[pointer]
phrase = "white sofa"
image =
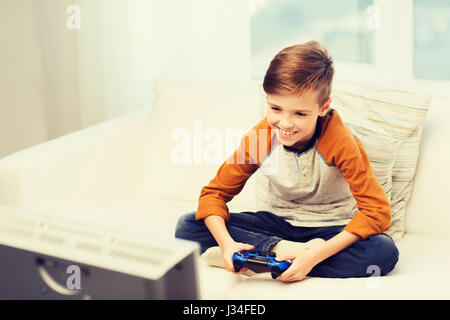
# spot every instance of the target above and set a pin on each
(141, 171)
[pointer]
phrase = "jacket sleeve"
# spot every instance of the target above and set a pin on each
(234, 172)
(347, 153)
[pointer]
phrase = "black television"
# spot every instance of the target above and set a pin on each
(47, 257)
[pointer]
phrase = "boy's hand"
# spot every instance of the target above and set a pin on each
(302, 263)
(227, 254)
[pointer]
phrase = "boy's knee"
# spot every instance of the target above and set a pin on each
(387, 253)
(183, 225)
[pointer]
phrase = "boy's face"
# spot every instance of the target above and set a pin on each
(294, 117)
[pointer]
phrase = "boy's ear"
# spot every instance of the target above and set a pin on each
(325, 107)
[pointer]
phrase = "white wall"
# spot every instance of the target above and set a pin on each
(23, 119)
(54, 80)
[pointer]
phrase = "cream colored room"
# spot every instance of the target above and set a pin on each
(114, 114)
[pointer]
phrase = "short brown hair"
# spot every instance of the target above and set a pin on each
(299, 68)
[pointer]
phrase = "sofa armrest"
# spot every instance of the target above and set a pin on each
(84, 170)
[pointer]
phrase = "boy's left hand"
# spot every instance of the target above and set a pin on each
(302, 263)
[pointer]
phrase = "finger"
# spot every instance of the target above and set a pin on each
(292, 277)
(288, 278)
(246, 246)
(234, 271)
(283, 278)
(288, 273)
(243, 270)
(240, 271)
(228, 266)
(295, 279)
(284, 257)
(230, 269)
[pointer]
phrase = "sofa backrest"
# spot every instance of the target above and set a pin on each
(81, 172)
(194, 126)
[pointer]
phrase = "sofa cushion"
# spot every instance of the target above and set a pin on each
(381, 148)
(421, 273)
(158, 217)
(379, 145)
(216, 283)
(400, 114)
(194, 126)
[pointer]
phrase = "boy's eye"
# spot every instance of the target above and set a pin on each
(297, 113)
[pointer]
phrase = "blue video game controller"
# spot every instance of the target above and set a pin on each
(256, 262)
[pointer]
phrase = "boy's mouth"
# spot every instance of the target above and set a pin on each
(286, 134)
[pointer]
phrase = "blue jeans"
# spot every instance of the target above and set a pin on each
(263, 229)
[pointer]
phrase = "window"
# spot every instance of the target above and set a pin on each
(401, 44)
(345, 27)
(432, 39)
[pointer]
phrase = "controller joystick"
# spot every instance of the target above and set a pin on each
(257, 262)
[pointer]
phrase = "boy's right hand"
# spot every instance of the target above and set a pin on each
(227, 254)
(217, 227)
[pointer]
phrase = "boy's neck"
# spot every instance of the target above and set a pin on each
(304, 146)
(300, 148)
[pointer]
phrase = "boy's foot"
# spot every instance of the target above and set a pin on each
(285, 246)
(213, 257)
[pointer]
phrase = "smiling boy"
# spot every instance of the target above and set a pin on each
(323, 208)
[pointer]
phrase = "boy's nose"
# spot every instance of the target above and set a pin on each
(285, 125)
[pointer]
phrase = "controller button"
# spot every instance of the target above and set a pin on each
(275, 272)
(237, 265)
